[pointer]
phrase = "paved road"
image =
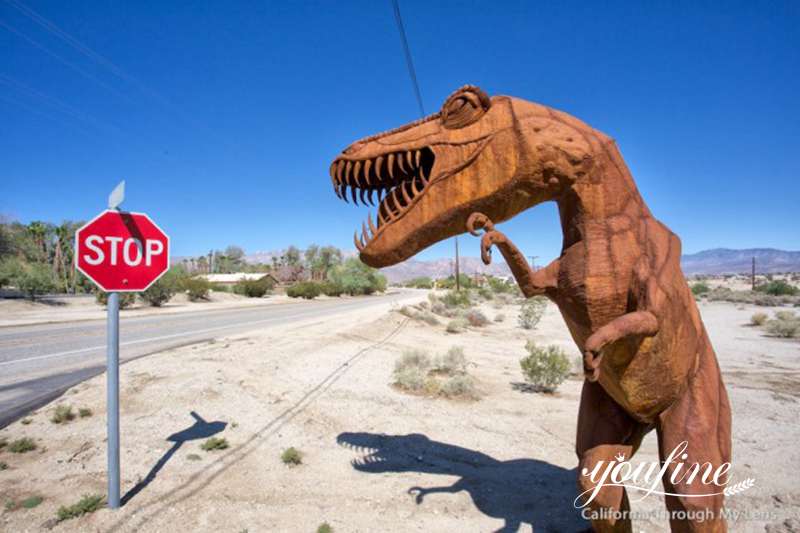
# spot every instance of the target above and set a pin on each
(37, 363)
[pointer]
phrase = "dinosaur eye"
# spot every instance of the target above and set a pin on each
(464, 107)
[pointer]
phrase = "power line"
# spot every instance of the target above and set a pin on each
(409, 61)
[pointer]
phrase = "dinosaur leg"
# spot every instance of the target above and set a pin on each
(604, 431)
(531, 282)
(702, 419)
(638, 323)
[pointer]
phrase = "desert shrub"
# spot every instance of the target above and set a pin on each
(26, 421)
(292, 456)
(476, 319)
(460, 385)
(778, 288)
(445, 375)
(31, 502)
(331, 289)
(785, 315)
(758, 319)
(22, 445)
(33, 279)
(3, 442)
(254, 288)
(453, 362)
(126, 299)
(62, 414)
(449, 282)
(453, 299)
(304, 289)
(420, 283)
(165, 288)
(220, 287)
(354, 277)
(485, 293)
(545, 367)
(700, 287)
(214, 443)
(196, 288)
(784, 328)
(324, 528)
(84, 412)
(89, 503)
(531, 312)
(3, 465)
(500, 286)
(499, 317)
(193, 457)
(457, 325)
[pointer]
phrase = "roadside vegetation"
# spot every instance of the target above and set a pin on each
(89, 503)
(214, 443)
(446, 375)
(292, 456)
(545, 367)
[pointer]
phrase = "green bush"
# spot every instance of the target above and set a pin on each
(531, 312)
(778, 288)
(165, 288)
(499, 286)
(304, 289)
(700, 287)
(486, 293)
(453, 362)
(423, 282)
(62, 414)
(3, 465)
(354, 278)
(196, 288)
(545, 368)
(324, 528)
(33, 279)
(457, 325)
(254, 288)
(465, 282)
(446, 375)
(22, 445)
(292, 456)
(126, 299)
(454, 298)
(84, 412)
(89, 503)
(329, 288)
(214, 443)
(31, 502)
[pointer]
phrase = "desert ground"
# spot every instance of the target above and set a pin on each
(376, 458)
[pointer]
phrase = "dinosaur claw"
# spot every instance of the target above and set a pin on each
(478, 221)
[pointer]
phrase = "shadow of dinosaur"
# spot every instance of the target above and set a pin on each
(618, 283)
(518, 491)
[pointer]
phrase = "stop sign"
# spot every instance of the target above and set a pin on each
(122, 252)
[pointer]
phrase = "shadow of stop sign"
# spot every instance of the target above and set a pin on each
(122, 252)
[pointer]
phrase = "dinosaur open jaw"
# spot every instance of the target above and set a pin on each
(399, 179)
(395, 178)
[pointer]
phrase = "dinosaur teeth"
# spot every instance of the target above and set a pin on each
(363, 194)
(378, 163)
(400, 163)
(356, 169)
(339, 169)
(367, 165)
(360, 245)
(353, 194)
(371, 192)
(365, 236)
(390, 164)
(417, 157)
(409, 158)
(406, 196)
(372, 227)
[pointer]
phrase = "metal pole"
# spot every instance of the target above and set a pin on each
(112, 386)
(753, 276)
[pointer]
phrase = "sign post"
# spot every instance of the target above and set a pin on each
(119, 252)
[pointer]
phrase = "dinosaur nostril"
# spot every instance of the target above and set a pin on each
(355, 147)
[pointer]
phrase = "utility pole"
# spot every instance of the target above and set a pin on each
(458, 273)
(210, 261)
(533, 259)
(753, 275)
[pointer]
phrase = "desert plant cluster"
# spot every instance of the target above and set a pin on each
(444, 375)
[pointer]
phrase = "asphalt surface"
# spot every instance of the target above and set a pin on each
(40, 362)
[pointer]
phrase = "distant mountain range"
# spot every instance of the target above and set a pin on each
(727, 261)
(716, 261)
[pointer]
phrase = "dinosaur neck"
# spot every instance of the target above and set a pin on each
(591, 202)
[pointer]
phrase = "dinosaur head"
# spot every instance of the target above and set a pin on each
(493, 155)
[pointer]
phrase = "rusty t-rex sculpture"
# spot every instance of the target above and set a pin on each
(618, 283)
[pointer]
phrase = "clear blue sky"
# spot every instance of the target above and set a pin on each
(224, 117)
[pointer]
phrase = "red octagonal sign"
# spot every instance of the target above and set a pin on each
(122, 252)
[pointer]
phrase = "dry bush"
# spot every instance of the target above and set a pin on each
(416, 372)
(457, 325)
(476, 319)
(758, 319)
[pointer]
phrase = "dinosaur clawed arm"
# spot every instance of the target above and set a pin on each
(638, 323)
(530, 282)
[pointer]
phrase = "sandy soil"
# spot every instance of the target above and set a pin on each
(19, 312)
(506, 460)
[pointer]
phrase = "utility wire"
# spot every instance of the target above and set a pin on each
(409, 62)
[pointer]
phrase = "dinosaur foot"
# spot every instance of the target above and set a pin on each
(479, 221)
(591, 365)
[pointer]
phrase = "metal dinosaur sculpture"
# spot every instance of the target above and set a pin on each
(618, 283)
